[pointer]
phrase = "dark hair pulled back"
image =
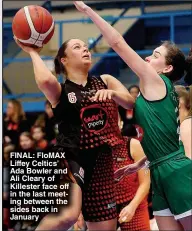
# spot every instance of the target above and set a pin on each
(59, 67)
(176, 58)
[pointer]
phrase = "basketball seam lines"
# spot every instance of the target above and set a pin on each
(42, 22)
(30, 22)
(27, 20)
(39, 33)
(33, 30)
(32, 27)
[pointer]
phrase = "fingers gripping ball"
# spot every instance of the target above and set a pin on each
(33, 26)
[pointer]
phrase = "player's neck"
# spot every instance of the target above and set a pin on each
(78, 77)
(184, 114)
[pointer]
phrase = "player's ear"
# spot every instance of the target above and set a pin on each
(64, 60)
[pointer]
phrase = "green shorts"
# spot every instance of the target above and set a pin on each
(171, 178)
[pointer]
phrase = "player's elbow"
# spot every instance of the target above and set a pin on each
(116, 41)
(45, 83)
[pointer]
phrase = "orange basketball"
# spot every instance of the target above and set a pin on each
(33, 26)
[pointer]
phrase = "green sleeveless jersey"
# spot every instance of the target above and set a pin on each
(160, 122)
(181, 146)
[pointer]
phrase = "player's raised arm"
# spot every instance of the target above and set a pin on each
(45, 80)
(142, 69)
(33, 26)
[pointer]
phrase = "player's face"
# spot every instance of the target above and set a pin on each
(157, 60)
(77, 54)
(25, 142)
(134, 92)
(10, 109)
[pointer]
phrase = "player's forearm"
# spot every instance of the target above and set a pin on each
(116, 41)
(123, 99)
(119, 45)
(109, 33)
(42, 73)
(141, 193)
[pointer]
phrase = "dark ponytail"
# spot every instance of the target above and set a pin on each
(59, 67)
(176, 58)
(188, 68)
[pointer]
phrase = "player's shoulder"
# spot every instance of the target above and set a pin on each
(100, 78)
(135, 142)
(106, 78)
(135, 147)
(186, 123)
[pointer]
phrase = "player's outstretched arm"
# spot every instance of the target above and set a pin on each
(45, 80)
(142, 69)
(116, 91)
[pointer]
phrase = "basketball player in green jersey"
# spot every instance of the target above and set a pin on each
(156, 111)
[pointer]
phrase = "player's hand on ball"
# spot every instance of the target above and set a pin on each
(103, 95)
(81, 6)
(27, 49)
(127, 213)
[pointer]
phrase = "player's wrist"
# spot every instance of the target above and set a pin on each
(133, 205)
(33, 53)
(87, 10)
